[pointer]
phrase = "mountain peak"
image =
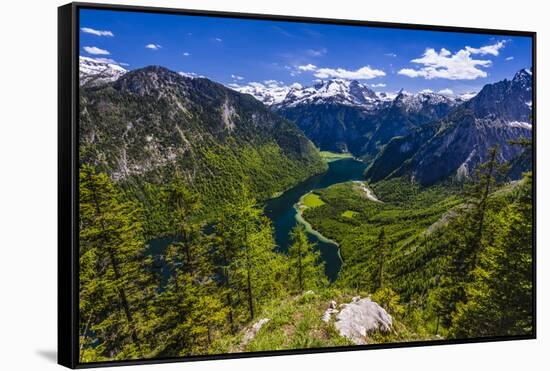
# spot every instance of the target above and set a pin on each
(333, 91)
(148, 80)
(523, 73)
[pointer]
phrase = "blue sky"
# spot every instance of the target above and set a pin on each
(244, 51)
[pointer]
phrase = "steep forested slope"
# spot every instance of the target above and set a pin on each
(151, 123)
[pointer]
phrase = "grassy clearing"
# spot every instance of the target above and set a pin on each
(312, 200)
(333, 156)
(349, 213)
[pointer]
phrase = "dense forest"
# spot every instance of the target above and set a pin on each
(450, 261)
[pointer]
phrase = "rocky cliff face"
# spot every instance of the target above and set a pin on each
(456, 145)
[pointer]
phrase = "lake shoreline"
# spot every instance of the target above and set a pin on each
(300, 207)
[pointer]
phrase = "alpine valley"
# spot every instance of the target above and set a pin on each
(238, 218)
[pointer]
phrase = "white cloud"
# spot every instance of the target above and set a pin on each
(153, 46)
(381, 85)
(446, 91)
(488, 49)
(426, 91)
(95, 50)
(97, 32)
(218, 39)
(186, 54)
(393, 55)
(509, 58)
(445, 65)
(316, 52)
(363, 73)
(307, 67)
(237, 77)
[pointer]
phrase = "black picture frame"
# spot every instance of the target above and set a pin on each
(68, 108)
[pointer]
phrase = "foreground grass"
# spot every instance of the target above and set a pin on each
(295, 323)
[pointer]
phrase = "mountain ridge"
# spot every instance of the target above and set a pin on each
(454, 146)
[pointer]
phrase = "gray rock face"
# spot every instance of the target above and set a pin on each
(253, 331)
(362, 317)
(329, 312)
(457, 144)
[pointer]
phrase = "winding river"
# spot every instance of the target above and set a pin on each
(284, 216)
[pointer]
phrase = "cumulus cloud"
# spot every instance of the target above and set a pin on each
(509, 58)
(363, 73)
(153, 46)
(307, 67)
(97, 32)
(95, 50)
(186, 54)
(446, 65)
(381, 85)
(446, 91)
(488, 49)
(237, 77)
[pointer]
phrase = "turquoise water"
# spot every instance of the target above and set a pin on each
(283, 215)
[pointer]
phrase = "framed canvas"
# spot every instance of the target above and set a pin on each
(236, 185)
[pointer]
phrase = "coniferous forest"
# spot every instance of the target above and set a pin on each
(219, 217)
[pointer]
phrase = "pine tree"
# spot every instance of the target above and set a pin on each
(466, 236)
(190, 306)
(499, 297)
(116, 285)
(252, 270)
(306, 266)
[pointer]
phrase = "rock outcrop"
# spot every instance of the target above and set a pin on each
(251, 333)
(360, 318)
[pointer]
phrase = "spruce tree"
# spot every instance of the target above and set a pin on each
(499, 296)
(190, 308)
(116, 286)
(306, 266)
(252, 271)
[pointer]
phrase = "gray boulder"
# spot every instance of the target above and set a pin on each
(362, 317)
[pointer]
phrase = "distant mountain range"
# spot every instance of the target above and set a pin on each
(427, 136)
(455, 145)
(347, 116)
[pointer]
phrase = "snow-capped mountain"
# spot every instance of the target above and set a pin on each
(455, 146)
(347, 116)
(424, 100)
(97, 71)
(270, 92)
(337, 91)
(340, 92)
